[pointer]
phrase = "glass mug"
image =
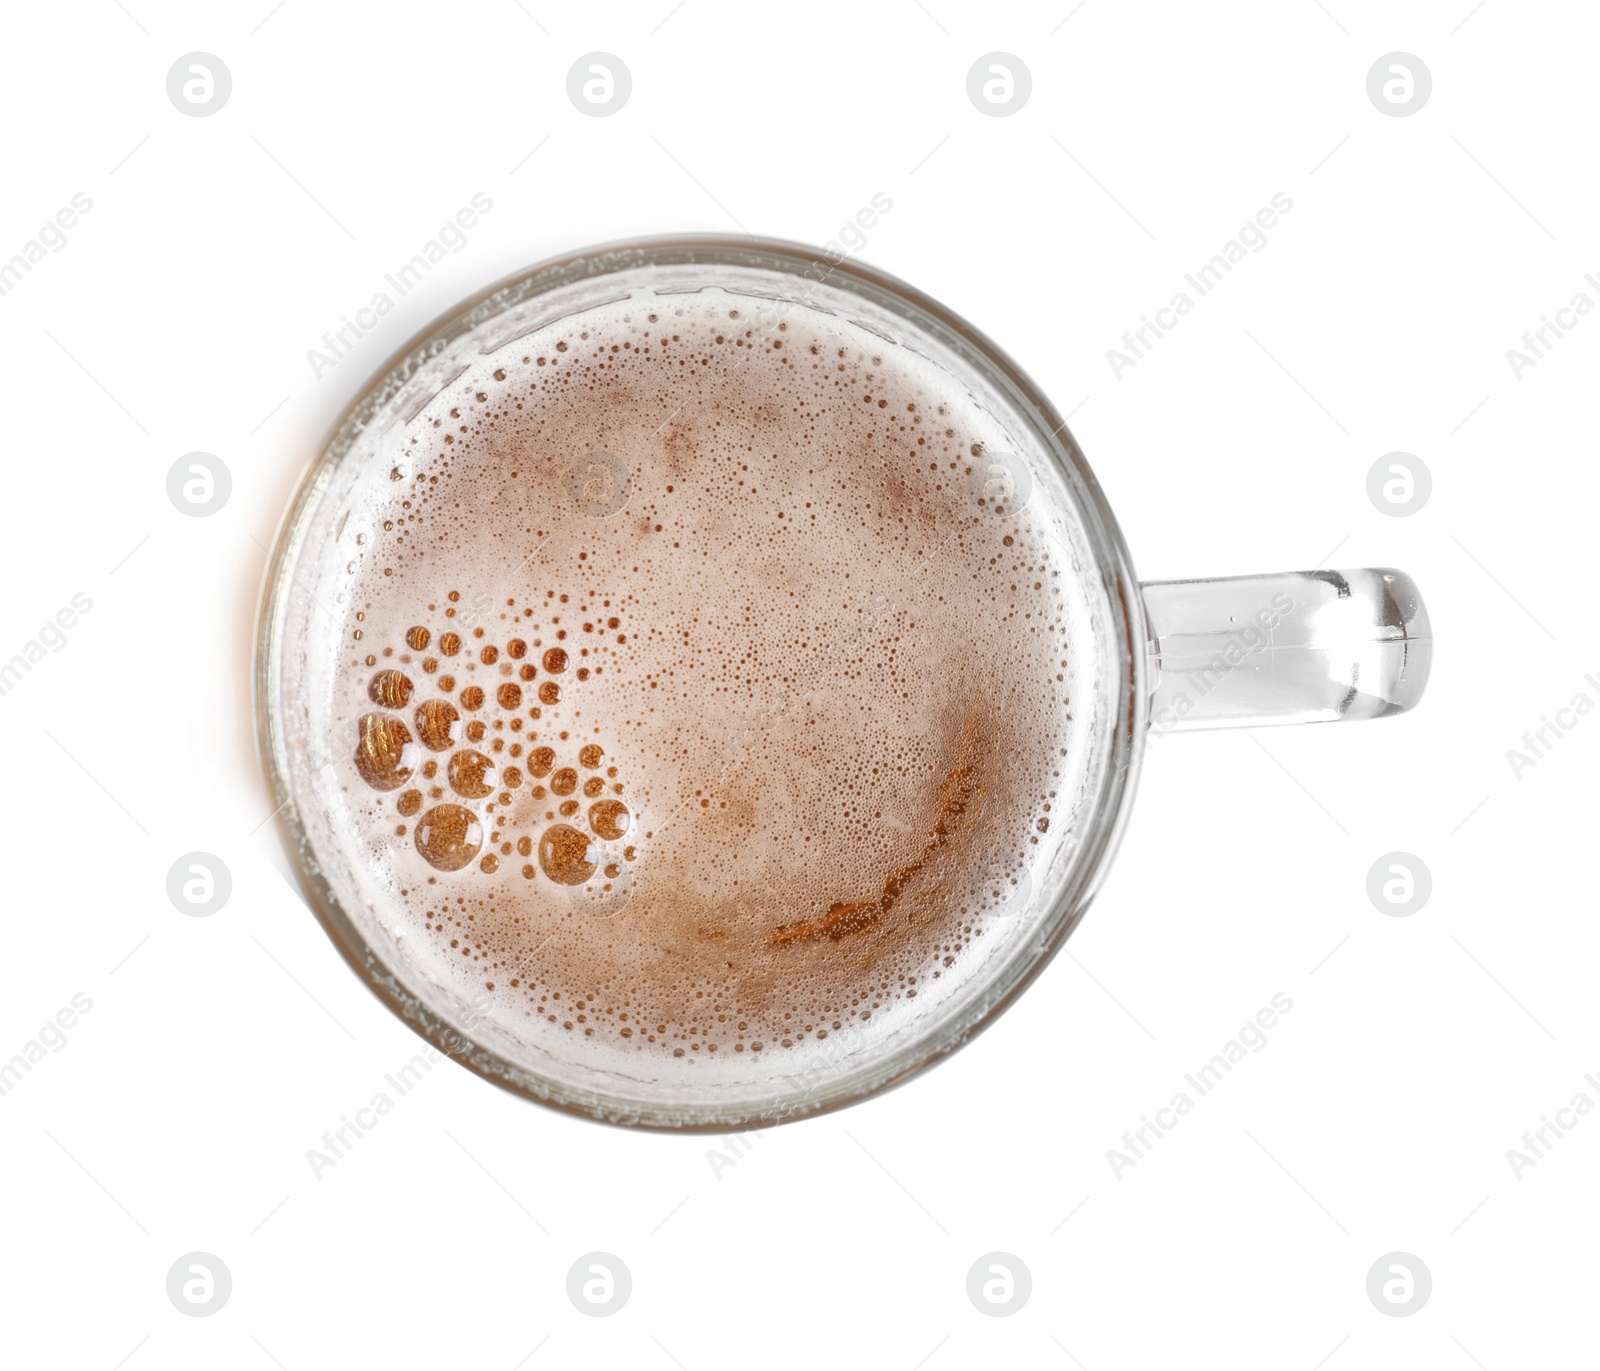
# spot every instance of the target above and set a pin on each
(1162, 657)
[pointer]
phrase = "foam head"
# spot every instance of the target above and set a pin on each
(695, 693)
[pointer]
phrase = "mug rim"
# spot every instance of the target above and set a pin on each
(1110, 808)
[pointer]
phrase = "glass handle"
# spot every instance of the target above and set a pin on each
(1300, 647)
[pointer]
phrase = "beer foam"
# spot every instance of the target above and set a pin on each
(700, 686)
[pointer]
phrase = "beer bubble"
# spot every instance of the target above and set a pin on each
(448, 837)
(564, 855)
(438, 725)
(472, 775)
(609, 819)
(390, 688)
(385, 753)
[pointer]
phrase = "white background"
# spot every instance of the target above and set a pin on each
(1419, 1050)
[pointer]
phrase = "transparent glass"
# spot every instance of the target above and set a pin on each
(1298, 648)
(1292, 648)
